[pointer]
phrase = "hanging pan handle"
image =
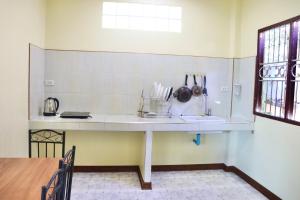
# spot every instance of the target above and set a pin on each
(195, 82)
(186, 79)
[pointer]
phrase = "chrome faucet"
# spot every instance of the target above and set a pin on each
(207, 111)
(170, 114)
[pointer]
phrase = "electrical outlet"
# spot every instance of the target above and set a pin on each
(49, 83)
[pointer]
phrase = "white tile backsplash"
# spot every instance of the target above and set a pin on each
(244, 70)
(110, 83)
(37, 71)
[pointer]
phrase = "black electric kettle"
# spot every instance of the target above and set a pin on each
(51, 106)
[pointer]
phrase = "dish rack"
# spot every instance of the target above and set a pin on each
(154, 107)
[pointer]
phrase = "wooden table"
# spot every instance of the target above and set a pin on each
(22, 178)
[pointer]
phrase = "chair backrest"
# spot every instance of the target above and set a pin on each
(54, 190)
(44, 139)
(68, 164)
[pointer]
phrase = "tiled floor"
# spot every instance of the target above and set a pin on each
(186, 185)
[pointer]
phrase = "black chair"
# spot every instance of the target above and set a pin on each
(54, 190)
(46, 137)
(67, 163)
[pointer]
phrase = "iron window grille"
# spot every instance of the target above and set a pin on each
(277, 76)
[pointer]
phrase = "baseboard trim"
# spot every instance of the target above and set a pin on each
(267, 193)
(148, 185)
(106, 168)
(87, 169)
(216, 166)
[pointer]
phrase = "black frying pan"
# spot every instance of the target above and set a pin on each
(184, 94)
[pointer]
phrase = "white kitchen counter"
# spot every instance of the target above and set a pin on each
(203, 125)
(135, 123)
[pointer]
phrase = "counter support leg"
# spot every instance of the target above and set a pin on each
(146, 161)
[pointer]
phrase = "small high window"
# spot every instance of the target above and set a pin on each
(277, 85)
(134, 16)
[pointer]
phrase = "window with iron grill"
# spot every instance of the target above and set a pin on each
(277, 82)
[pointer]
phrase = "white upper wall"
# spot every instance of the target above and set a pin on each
(207, 29)
(256, 14)
(216, 28)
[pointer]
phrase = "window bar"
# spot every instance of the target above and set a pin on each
(266, 97)
(274, 44)
(297, 76)
(53, 150)
(266, 46)
(271, 97)
(38, 144)
(298, 41)
(269, 47)
(279, 42)
(46, 149)
(296, 100)
(283, 89)
(273, 60)
(276, 100)
(289, 104)
(284, 46)
(277, 68)
(281, 97)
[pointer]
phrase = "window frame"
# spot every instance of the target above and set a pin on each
(290, 86)
(154, 17)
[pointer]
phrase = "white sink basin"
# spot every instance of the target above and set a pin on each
(201, 118)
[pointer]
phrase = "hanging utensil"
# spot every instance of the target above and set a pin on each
(206, 112)
(184, 93)
(170, 93)
(204, 87)
(166, 93)
(159, 90)
(197, 90)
